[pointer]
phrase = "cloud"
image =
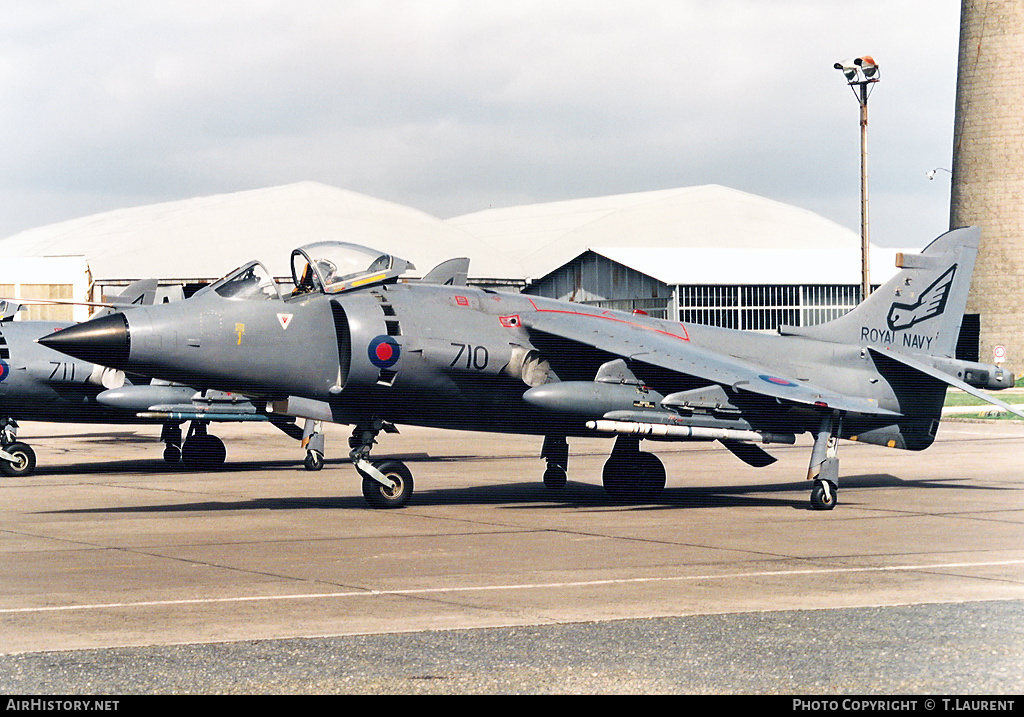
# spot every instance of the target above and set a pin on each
(453, 106)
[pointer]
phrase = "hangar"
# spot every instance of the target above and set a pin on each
(705, 254)
(191, 242)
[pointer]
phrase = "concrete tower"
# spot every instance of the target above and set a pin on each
(988, 168)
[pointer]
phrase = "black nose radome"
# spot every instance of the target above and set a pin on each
(104, 341)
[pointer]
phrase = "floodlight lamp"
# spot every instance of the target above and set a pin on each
(849, 69)
(868, 65)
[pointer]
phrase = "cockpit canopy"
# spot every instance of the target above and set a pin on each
(328, 266)
(251, 282)
(333, 267)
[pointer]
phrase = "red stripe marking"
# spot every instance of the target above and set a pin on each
(609, 317)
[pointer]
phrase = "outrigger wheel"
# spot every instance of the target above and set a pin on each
(824, 495)
(824, 468)
(314, 460)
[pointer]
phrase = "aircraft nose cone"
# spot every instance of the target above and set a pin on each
(104, 341)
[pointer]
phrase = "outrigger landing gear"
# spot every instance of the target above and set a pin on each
(16, 458)
(386, 483)
(632, 474)
(313, 442)
(556, 452)
(824, 468)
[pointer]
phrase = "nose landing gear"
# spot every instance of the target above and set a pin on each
(386, 483)
(16, 458)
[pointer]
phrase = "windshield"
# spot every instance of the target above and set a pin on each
(333, 267)
(251, 282)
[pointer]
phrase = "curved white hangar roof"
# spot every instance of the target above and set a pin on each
(692, 235)
(206, 237)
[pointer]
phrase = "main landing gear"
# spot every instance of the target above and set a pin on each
(556, 452)
(629, 473)
(386, 483)
(824, 468)
(199, 451)
(16, 458)
(632, 474)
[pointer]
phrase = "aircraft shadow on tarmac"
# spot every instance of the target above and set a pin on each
(113, 438)
(156, 465)
(533, 495)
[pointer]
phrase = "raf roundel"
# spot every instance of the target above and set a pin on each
(5, 370)
(776, 380)
(384, 352)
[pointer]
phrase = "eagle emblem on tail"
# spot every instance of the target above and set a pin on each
(931, 303)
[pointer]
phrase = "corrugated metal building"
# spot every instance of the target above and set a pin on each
(706, 254)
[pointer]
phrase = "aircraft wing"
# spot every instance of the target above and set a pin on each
(617, 334)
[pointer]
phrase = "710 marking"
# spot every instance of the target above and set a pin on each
(475, 356)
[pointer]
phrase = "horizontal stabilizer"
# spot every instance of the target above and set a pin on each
(945, 378)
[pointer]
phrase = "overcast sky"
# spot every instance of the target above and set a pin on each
(452, 106)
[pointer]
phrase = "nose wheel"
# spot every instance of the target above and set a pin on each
(16, 458)
(386, 483)
(314, 460)
(379, 495)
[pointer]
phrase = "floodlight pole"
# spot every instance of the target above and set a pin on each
(865, 244)
(861, 75)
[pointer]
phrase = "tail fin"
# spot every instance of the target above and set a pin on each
(449, 273)
(917, 311)
(139, 293)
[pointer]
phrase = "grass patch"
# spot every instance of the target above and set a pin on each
(955, 397)
(996, 414)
